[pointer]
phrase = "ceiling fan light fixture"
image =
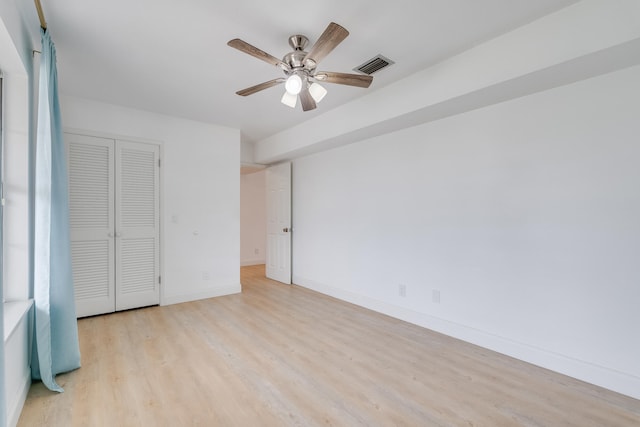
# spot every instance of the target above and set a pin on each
(317, 92)
(289, 99)
(299, 68)
(293, 85)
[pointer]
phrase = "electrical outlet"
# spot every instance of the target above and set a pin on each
(256, 251)
(206, 275)
(435, 296)
(402, 290)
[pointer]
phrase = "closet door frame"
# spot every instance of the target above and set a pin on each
(161, 229)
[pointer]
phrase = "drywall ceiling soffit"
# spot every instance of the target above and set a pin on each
(579, 42)
(171, 57)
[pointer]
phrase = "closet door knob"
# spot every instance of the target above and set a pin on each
(110, 234)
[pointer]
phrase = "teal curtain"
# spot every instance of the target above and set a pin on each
(56, 348)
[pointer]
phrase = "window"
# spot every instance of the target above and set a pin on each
(14, 188)
(14, 168)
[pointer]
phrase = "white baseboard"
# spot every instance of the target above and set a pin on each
(598, 375)
(17, 380)
(13, 414)
(217, 291)
(255, 261)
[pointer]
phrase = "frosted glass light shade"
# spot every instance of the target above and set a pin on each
(293, 85)
(317, 92)
(289, 99)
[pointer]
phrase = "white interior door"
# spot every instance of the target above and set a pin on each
(91, 214)
(137, 225)
(279, 223)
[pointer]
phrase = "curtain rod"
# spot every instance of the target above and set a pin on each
(43, 23)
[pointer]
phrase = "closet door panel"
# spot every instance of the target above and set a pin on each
(137, 225)
(92, 219)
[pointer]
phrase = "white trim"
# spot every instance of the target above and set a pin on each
(218, 291)
(579, 369)
(115, 136)
(254, 261)
(13, 414)
(14, 311)
(18, 380)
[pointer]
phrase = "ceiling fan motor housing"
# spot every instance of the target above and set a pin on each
(294, 59)
(298, 42)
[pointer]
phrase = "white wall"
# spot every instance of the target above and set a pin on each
(253, 218)
(523, 215)
(246, 152)
(201, 194)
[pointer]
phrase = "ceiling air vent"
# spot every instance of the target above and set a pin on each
(376, 63)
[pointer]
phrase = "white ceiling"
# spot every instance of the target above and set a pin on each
(171, 57)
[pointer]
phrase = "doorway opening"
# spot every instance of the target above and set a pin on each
(265, 220)
(253, 216)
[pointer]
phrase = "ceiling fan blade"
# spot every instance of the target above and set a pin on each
(307, 101)
(332, 37)
(245, 47)
(344, 78)
(257, 88)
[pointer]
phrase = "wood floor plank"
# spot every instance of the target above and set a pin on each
(279, 355)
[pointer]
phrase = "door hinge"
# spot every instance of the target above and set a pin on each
(158, 162)
(159, 280)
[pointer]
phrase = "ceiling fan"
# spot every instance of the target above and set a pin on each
(299, 66)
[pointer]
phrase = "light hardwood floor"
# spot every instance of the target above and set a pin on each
(279, 355)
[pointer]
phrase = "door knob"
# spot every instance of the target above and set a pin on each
(286, 229)
(110, 234)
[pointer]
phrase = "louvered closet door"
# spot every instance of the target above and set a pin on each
(91, 210)
(114, 218)
(137, 225)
